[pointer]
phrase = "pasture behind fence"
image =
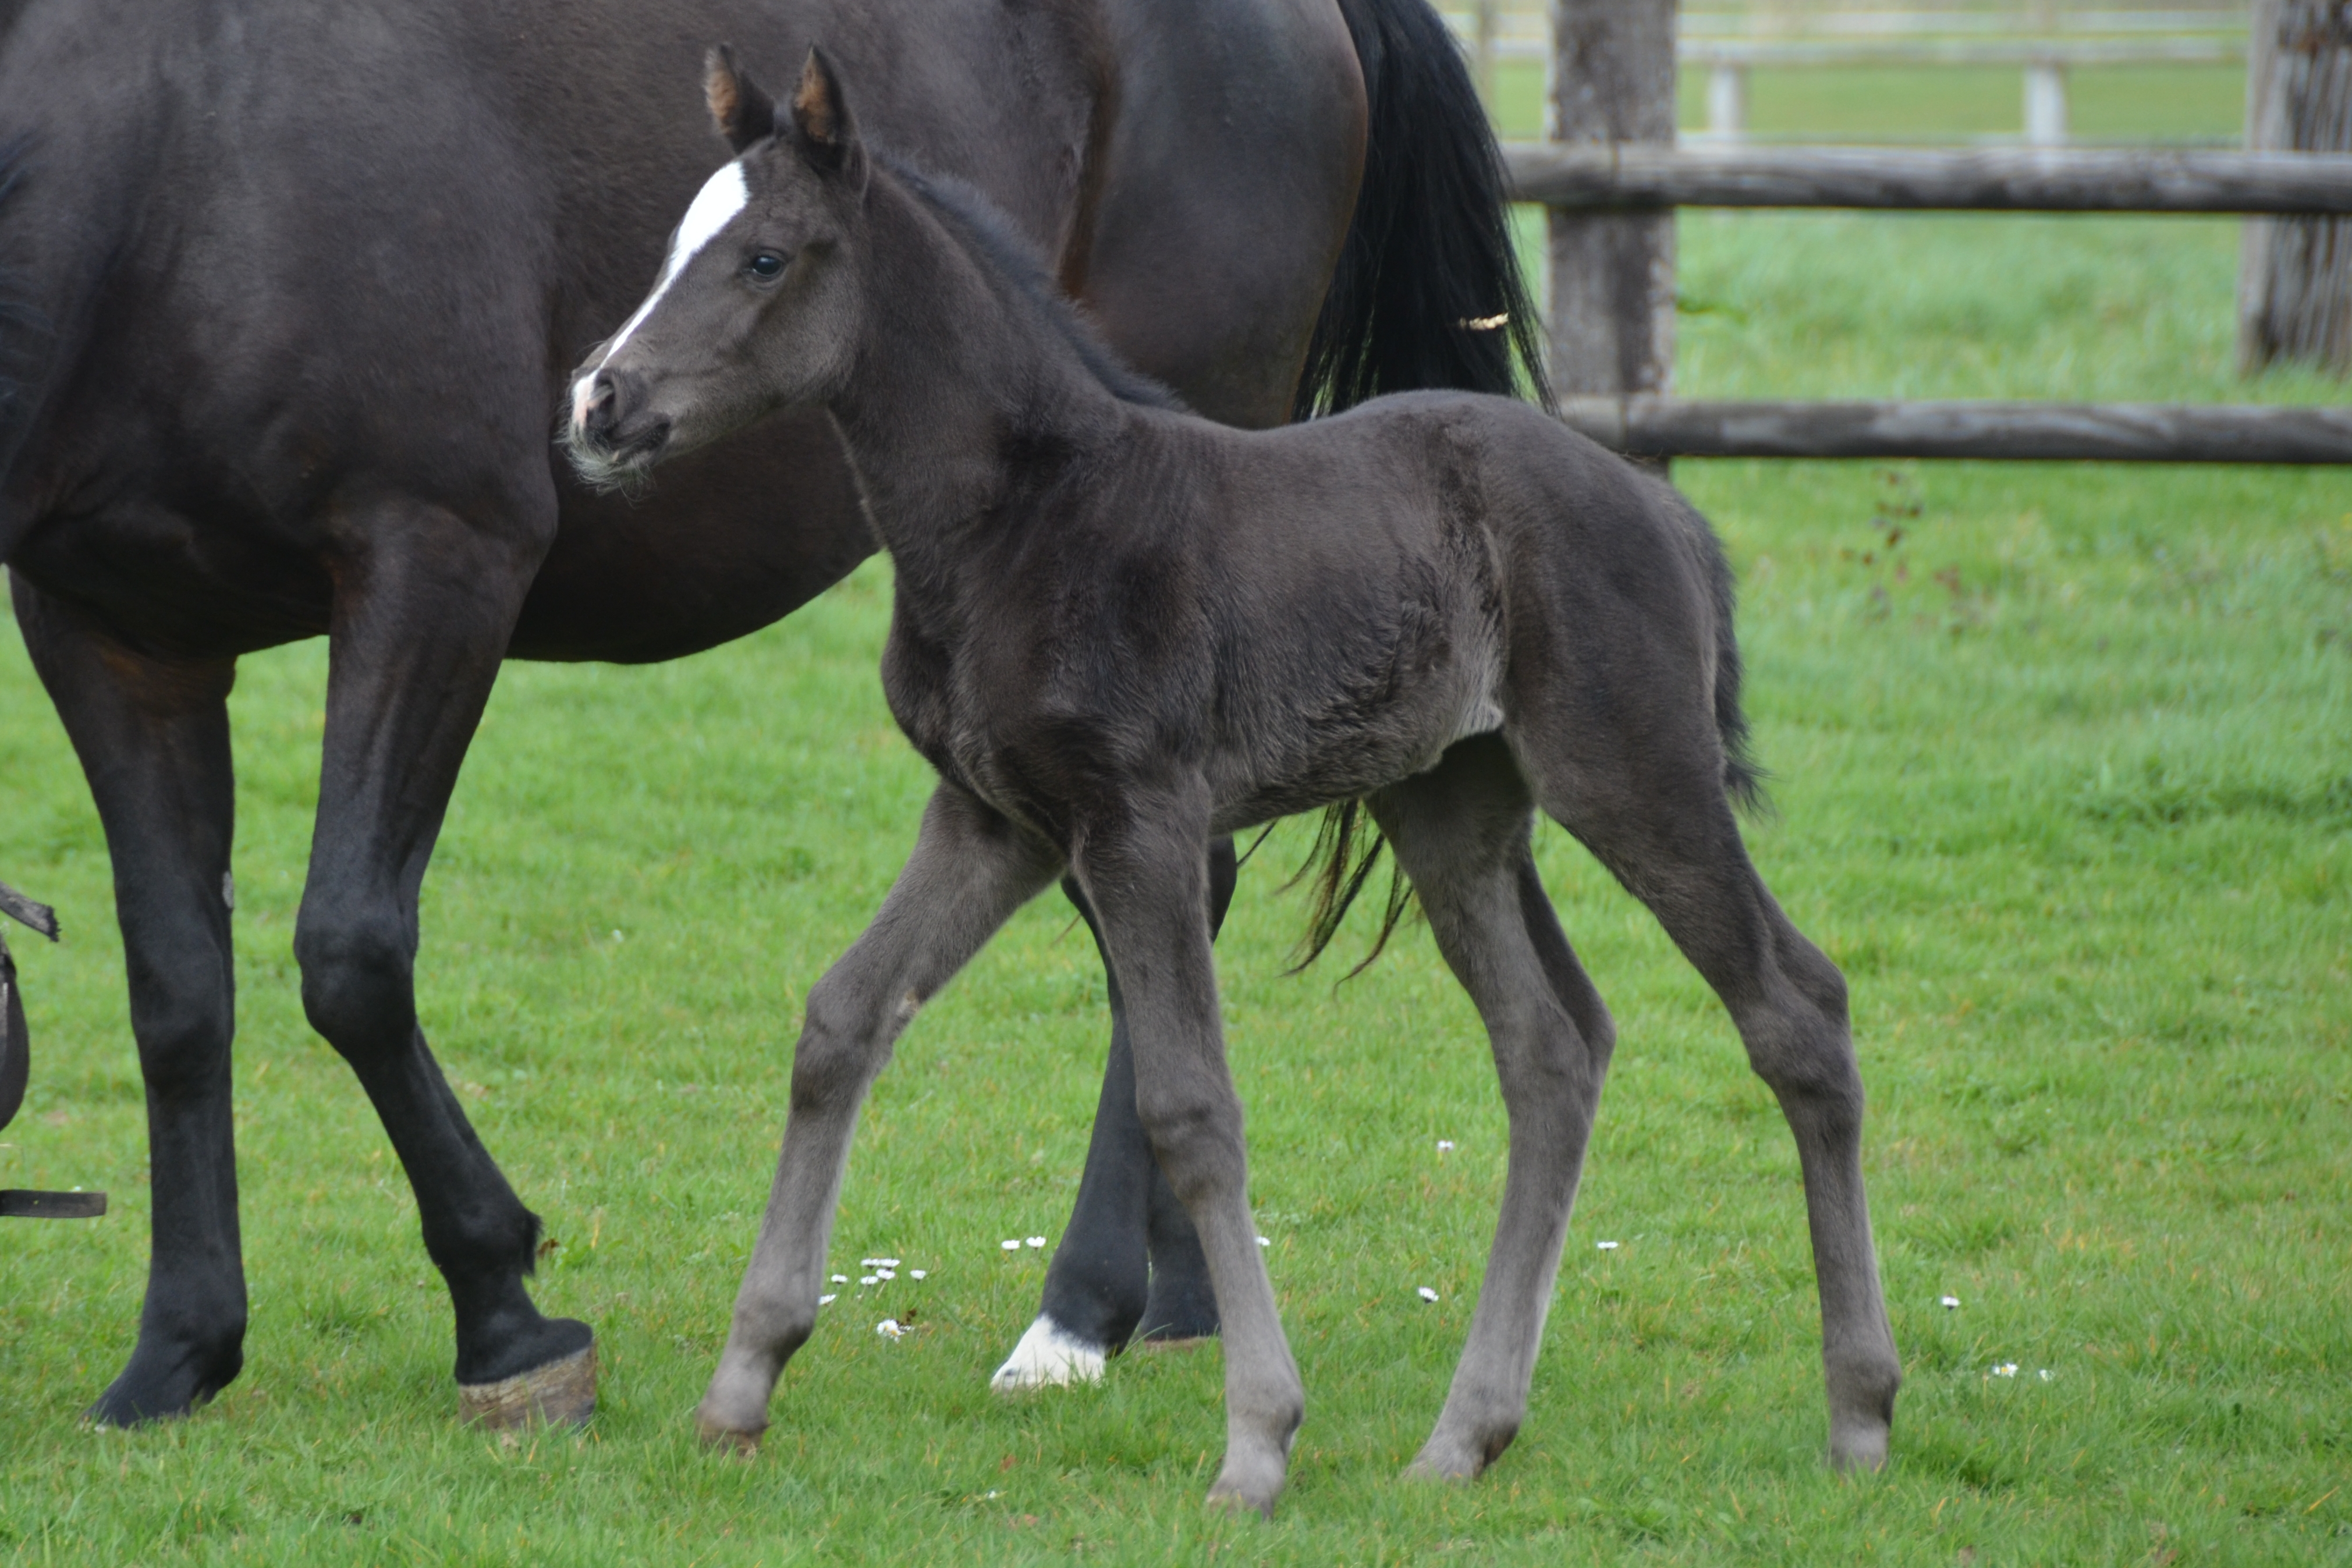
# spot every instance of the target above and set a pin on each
(2044, 44)
(1612, 176)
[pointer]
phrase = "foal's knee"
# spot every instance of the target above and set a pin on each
(841, 1044)
(358, 977)
(1196, 1136)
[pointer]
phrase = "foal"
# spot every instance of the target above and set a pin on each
(1120, 630)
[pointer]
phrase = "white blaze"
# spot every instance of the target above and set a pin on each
(714, 207)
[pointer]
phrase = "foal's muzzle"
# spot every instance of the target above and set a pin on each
(612, 431)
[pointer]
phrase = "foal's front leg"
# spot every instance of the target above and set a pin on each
(970, 869)
(1129, 1261)
(1146, 876)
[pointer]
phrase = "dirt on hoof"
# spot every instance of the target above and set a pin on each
(561, 1393)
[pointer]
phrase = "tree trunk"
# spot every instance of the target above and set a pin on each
(2294, 275)
(1613, 275)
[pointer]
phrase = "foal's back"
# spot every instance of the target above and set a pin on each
(1324, 608)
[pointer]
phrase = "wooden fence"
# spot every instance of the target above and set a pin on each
(2044, 48)
(1613, 176)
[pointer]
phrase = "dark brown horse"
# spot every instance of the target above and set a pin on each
(288, 289)
(1120, 630)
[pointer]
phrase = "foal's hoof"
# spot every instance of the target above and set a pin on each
(1252, 1495)
(1861, 1445)
(1456, 1465)
(1048, 1357)
(727, 1439)
(561, 1393)
(1456, 1455)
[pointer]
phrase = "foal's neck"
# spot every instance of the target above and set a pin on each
(964, 392)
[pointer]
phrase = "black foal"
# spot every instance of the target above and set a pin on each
(1121, 631)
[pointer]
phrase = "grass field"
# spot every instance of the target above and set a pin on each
(2137, 103)
(2064, 782)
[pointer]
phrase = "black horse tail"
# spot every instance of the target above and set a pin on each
(1427, 292)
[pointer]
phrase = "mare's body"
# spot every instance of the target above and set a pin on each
(1120, 630)
(287, 289)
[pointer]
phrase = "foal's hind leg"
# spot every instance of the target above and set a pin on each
(1656, 816)
(1460, 834)
(969, 871)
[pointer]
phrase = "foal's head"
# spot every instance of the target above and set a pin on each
(758, 305)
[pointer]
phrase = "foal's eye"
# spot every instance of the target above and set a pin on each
(766, 267)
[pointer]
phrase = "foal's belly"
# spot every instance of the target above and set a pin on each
(1302, 760)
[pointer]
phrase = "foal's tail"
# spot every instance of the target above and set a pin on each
(1743, 780)
(1427, 293)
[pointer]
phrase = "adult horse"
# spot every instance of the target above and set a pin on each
(290, 289)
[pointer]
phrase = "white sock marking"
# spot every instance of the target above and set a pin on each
(1048, 1357)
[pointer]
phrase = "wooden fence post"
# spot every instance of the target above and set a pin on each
(2294, 275)
(1613, 275)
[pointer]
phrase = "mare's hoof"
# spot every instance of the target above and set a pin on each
(561, 1393)
(727, 1439)
(164, 1386)
(1048, 1357)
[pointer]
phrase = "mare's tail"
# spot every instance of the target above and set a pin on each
(1427, 295)
(1428, 291)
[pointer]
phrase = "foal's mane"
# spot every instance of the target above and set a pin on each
(988, 237)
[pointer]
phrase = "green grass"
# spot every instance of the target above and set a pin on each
(2064, 782)
(2111, 103)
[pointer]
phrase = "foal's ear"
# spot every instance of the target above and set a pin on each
(743, 113)
(828, 137)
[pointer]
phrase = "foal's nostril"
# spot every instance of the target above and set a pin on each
(600, 409)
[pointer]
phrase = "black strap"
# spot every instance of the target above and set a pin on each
(40, 917)
(18, 1202)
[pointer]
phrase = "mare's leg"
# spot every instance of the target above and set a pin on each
(969, 871)
(1130, 1258)
(1648, 800)
(1146, 876)
(153, 736)
(1461, 833)
(422, 615)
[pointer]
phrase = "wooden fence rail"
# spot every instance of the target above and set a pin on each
(1636, 176)
(2108, 431)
